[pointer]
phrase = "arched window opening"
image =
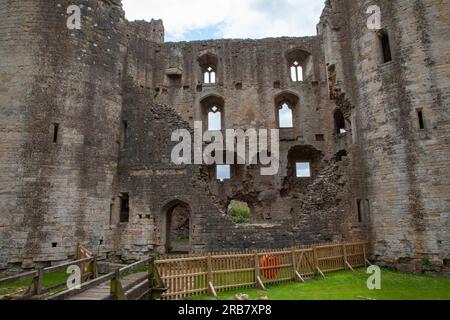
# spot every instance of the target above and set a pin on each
(287, 112)
(339, 122)
(300, 64)
(214, 119)
(296, 72)
(178, 227)
(209, 76)
(212, 111)
(285, 116)
(208, 63)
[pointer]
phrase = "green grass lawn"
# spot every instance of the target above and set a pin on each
(20, 286)
(352, 286)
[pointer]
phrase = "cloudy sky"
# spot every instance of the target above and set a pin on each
(211, 19)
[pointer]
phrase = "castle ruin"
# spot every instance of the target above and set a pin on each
(86, 117)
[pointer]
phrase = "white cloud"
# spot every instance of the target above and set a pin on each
(233, 18)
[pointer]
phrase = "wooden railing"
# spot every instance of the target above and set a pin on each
(88, 267)
(210, 273)
(149, 285)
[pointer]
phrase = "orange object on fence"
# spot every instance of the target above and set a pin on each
(265, 263)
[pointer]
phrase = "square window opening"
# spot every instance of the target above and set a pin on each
(303, 170)
(223, 172)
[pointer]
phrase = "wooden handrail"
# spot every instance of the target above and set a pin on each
(117, 291)
(18, 277)
(85, 286)
(182, 259)
(133, 266)
(65, 265)
(34, 273)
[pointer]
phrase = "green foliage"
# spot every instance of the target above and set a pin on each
(182, 238)
(20, 286)
(426, 262)
(239, 212)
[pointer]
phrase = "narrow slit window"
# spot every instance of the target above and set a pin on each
(285, 117)
(303, 170)
(125, 208)
(385, 46)
(214, 119)
(296, 72)
(360, 211)
(124, 133)
(55, 132)
(421, 119)
(223, 172)
(111, 212)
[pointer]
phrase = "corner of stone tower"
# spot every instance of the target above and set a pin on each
(152, 31)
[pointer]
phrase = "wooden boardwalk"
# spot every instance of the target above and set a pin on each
(103, 291)
(127, 283)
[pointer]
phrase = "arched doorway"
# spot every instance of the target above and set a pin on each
(178, 227)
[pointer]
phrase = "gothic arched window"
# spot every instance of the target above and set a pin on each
(209, 63)
(285, 116)
(296, 72)
(209, 76)
(214, 119)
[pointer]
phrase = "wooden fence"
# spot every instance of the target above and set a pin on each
(210, 273)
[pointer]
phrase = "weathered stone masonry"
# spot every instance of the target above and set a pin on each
(115, 92)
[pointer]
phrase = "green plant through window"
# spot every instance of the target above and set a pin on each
(239, 212)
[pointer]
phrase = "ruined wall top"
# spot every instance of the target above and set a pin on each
(152, 31)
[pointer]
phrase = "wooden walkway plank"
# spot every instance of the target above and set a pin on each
(102, 292)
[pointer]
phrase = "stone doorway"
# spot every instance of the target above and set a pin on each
(178, 227)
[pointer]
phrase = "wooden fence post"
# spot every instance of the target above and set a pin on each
(294, 263)
(78, 255)
(366, 261)
(344, 253)
(316, 262)
(116, 287)
(155, 282)
(316, 259)
(210, 275)
(297, 276)
(82, 271)
(211, 289)
(38, 281)
(94, 268)
(256, 266)
(259, 282)
(346, 263)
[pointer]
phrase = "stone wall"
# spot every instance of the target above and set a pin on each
(163, 91)
(55, 193)
(405, 167)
